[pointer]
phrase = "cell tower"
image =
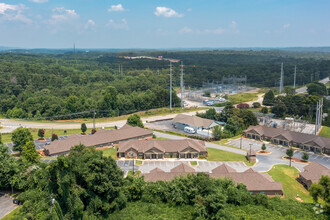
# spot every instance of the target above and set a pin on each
(295, 75)
(281, 80)
(181, 84)
(170, 85)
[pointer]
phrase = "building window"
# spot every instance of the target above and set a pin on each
(167, 154)
(131, 154)
(174, 155)
(140, 154)
(117, 142)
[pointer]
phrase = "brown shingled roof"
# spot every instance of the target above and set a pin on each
(223, 168)
(193, 120)
(293, 136)
(314, 171)
(99, 138)
(183, 168)
(162, 145)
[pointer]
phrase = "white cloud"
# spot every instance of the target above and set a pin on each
(286, 26)
(217, 31)
(118, 7)
(189, 9)
(62, 14)
(90, 23)
(167, 12)
(39, 1)
(13, 13)
(122, 24)
(185, 30)
(233, 25)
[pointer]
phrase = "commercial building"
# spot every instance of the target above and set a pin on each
(197, 123)
(254, 181)
(279, 136)
(101, 138)
(312, 173)
(160, 149)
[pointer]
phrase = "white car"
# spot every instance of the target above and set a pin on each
(189, 130)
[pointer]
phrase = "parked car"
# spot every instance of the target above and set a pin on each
(189, 130)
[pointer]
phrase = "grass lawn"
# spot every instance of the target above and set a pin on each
(6, 138)
(221, 155)
(137, 173)
(138, 162)
(110, 152)
(224, 142)
(243, 97)
(11, 214)
(170, 132)
(161, 138)
(194, 163)
(287, 176)
(325, 132)
(148, 113)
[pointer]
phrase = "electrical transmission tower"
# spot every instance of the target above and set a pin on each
(294, 77)
(318, 119)
(281, 80)
(170, 85)
(181, 84)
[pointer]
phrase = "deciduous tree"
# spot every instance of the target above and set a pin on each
(135, 120)
(29, 153)
(289, 153)
(20, 137)
(83, 128)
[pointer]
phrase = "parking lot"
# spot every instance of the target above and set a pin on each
(39, 144)
(277, 152)
(6, 205)
(166, 125)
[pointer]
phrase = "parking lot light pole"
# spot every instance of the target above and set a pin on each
(250, 153)
(133, 167)
(51, 206)
(240, 145)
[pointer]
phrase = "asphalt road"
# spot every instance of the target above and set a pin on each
(6, 205)
(9, 125)
(304, 89)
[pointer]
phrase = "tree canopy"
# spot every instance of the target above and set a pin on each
(135, 120)
(20, 137)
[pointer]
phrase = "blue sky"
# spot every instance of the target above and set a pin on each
(164, 23)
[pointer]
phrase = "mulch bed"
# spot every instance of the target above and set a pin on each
(296, 160)
(264, 152)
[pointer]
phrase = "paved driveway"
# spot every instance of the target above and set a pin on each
(6, 205)
(277, 152)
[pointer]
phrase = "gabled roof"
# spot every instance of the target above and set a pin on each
(100, 137)
(314, 171)
(193, 120)
(250, 170)
(253, 180)
(224, 168)
(162, 145)
(293, 136)
(183, 168)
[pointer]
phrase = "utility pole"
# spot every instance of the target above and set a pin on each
(318, 116)
(281, 81)
(240, 144)
(181, 84)
(94, 113)
(295, 75)
(170, 85)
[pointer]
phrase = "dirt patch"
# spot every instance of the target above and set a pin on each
(75, 120)
(296, 160)
(299, 199)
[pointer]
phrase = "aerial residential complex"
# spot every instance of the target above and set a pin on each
(160, 149)
(101, 138)
(308, 142)
(254, 181)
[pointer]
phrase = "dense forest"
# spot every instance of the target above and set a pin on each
(87, 185)
(36, 85)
